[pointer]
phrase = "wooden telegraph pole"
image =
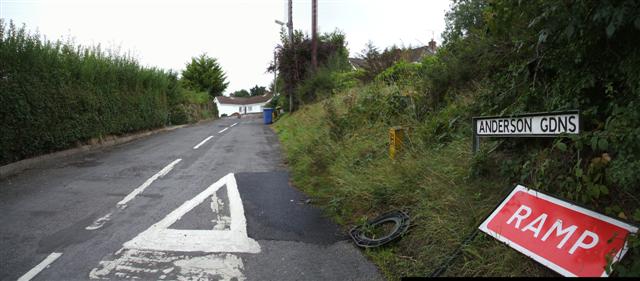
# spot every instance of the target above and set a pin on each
(290, 22)
(290, 26)
(275, 73)
(314, 34)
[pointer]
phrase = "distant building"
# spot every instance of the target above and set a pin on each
(417, 54)
(244, 105)
(357, 63)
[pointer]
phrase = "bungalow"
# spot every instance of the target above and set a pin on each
(245, 105)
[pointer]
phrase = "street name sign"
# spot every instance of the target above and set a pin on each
(569, 239)
(539, 124)
(546, 124)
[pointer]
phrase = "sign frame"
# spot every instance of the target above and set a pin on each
(476, 137)
(563, 203)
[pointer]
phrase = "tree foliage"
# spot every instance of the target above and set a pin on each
(240, 94)
(257, 91)
(533, 56)
(204, 74)
(375, 62)
(294, 61)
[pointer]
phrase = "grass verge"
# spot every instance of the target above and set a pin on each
(337, 154)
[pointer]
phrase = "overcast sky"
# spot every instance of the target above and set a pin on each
(241, 34)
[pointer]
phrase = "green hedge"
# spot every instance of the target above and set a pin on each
(54, 95)
(191, 107)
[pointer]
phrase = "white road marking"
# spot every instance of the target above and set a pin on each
(221, 221)
(123, 203)
(227, 128)
(157, 265)
(233, 124)
(41, 266)
(160, 237)
(202, 142)
(97, 224)
(227, 266)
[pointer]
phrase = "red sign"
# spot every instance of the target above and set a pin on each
(571, 240)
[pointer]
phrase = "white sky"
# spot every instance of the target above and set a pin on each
(241, 34)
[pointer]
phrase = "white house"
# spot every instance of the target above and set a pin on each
(231, 105)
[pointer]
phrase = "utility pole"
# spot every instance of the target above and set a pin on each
(290, 22)
(275, 73)
(290, 26)
(314, 34)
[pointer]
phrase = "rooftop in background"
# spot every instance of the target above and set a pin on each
(244, 100)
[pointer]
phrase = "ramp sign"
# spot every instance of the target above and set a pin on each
(569, 239)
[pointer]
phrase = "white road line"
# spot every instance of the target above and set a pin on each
(160, 237)
(141, 188)
(44, 264)
(97, 224)
(227, 128)
(234, 124)
(202, 142)
(161, 265)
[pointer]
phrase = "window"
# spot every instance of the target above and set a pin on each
(249, 108)
(240, 109)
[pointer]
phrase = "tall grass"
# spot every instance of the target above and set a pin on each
(337, 151)
(55, 94)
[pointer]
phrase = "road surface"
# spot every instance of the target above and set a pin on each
(205, 202)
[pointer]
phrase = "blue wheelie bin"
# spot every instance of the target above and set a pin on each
(267, 115)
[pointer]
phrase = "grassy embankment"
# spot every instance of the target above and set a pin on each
(498, 58)
(352, 177)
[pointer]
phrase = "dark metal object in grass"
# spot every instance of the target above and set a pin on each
(401, 224)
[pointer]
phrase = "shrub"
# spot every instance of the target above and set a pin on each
(294, 65)
(401, 73)
(180, 114)
(533, 56)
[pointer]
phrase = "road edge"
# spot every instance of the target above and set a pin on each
(19, 166)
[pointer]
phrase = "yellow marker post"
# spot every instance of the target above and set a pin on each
(396, 137)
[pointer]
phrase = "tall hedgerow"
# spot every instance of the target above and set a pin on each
(55, 94)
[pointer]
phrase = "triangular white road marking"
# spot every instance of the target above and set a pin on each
(160, 237)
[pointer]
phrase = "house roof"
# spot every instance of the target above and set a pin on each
(416, 54)
(357, 62)
(243, 100)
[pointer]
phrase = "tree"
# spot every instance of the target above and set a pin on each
(204, 74)
(294, 60)
(376, 62)
(240, 93)
(257, 91)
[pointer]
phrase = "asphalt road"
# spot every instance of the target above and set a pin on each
(172, 206)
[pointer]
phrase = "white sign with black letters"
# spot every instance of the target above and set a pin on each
(544, 124)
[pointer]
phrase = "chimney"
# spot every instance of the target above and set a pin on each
(432, 46)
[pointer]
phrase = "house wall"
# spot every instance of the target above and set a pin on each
(229, 109)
